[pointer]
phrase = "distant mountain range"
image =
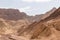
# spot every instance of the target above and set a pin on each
(15, 14)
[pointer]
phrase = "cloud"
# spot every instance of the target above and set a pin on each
(8, 7)
(29, 10)
(36, 0)
(25, 9)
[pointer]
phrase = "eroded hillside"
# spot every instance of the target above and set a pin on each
(15, 25)
(45, 27)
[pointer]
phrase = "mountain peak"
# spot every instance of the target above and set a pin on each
(11, 14)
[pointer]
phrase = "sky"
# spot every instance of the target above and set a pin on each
(30, 7)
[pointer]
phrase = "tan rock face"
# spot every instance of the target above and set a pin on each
(55, 24)
(42, 30)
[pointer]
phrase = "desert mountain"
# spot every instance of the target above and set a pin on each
(48, 13)
(44, 27)
(11, 14)
(49, 22)
(15, 14)
(11, 20)
(54, 15)
(16, 25)
(38, 18)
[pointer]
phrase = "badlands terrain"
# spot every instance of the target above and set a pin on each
(16, 25)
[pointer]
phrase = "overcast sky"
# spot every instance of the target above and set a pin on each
(31, 7)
